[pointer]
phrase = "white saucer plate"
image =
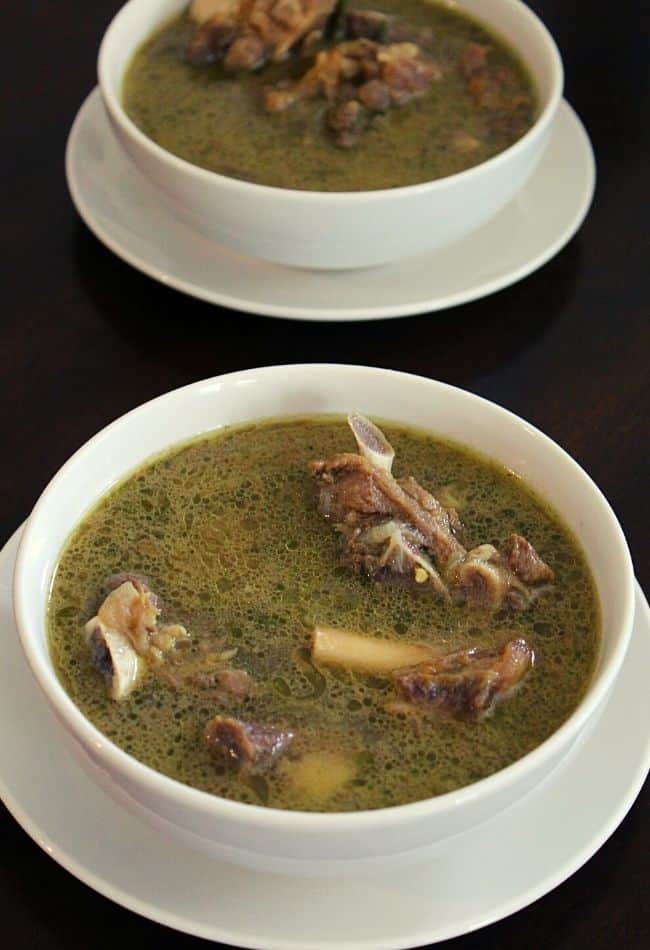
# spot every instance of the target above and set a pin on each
(126, 213)
(542, 839)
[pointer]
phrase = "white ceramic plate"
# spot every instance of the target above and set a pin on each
(124, 211)
(447, 895)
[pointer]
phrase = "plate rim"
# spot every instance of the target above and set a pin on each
(159, 915)
(286, 311)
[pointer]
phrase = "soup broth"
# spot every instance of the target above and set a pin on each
(217, 119)
(227, 532)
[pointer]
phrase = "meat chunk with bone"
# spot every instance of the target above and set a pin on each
(347, 121)
(112, 653)
(395, 548)
(367, 25)
(512, 578)
(124, 634)
(356, 490)
(395, 527)
(202, 10)
(246, 34)
(473, 59)
(484, 579)
(496, 92)
(248, 746)
(359, 77)
(383, 28)
(132, 608)
(524, 561)
(227, 685)
(466, 683)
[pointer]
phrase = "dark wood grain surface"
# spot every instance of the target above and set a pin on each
(84, 338)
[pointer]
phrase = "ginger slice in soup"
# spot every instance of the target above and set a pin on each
(320, 774)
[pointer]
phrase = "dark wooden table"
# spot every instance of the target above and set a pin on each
(84, 338)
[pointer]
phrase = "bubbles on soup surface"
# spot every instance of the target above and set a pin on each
(227, 532)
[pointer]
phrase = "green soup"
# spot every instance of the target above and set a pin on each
(227, 532)
(217, 120)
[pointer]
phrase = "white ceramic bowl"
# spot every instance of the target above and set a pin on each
(327, 229)
(272, 837)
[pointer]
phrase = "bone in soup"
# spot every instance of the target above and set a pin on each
(285, 614)
(318, 95)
